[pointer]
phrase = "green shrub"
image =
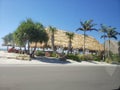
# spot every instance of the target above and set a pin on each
(82, 57)
(89, 57)
(53, 54)
(108, 60)
(73, 57)
(96, 57)
(114, 58)
(85, 57)
(40, 53)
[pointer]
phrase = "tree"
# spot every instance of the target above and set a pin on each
(103, 29)
(119, 48)
(111, 33)
(86, 26)
(70, 37)
(30, 32)
(19, 38)
(8, 40)
(52, 31)
(38, 35)
(23, 33)
(45, 39)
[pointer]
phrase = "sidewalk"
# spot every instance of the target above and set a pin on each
(5, 59)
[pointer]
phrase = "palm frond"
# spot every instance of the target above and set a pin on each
(114, 37)
(93, 29)
(103, 28)
(52, 29)
(89, 22)
(70, 35)
(103, 36)
(82, 24)
(79, 29)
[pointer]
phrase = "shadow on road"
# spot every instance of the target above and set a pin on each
(51, 60)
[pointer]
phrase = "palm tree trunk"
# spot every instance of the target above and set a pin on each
(84, 46)
(69, 47)
(119, 51)
(109, 49)
(119, 48)
(104, 50)
(52, 41)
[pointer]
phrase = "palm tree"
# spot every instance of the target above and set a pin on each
(119, 48)
(52, 31)
(86, 26)
(70, 37)
(103, 29)
(111, 33)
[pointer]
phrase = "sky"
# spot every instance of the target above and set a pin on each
(62, 14)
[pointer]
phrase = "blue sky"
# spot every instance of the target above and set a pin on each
(62, 14)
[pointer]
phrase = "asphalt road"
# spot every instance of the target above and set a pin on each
(59, 77)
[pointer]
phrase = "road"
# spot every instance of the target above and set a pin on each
(59, 77)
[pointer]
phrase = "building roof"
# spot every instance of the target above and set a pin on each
(77, 42)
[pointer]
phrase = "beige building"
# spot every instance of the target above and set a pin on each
(77, 42)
